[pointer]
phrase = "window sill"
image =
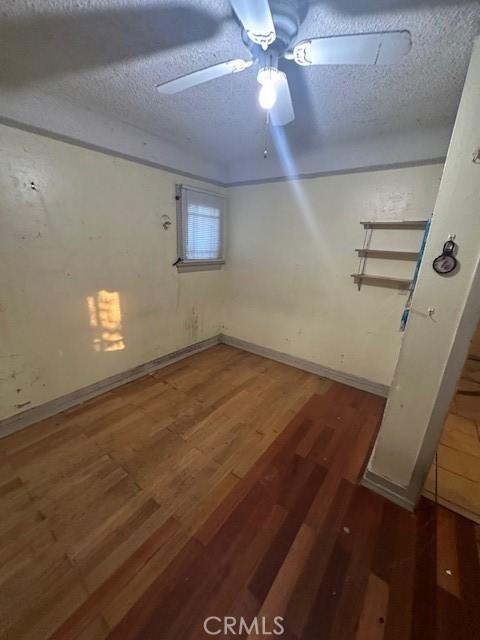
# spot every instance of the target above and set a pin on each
(199, 265)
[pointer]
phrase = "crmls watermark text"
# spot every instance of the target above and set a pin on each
(214, 626)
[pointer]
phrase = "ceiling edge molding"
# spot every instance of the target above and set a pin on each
(246, 183)
(341, 172)
(58, 119)
(388, 150)
(85, 128)
(110, 152)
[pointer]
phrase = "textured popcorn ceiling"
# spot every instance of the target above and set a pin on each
(108, 55)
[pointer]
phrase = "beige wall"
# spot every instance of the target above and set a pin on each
(290, 256)
(91, 223)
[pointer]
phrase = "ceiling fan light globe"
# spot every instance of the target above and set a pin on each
(267, 96)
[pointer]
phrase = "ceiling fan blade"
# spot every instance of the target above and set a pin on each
(203, 75)
(282, 111)
(257, 20)
(363, 48)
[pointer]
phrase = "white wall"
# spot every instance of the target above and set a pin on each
(290, 256)
(91, 223)
(434, 348)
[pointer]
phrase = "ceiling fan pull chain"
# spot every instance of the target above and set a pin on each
(265, 146)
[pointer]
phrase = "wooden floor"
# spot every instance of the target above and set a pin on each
(225, 484)
(456, 480)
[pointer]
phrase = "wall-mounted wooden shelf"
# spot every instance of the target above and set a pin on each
(381, 281)
(363, 254)
(394, 224)
(387, 255)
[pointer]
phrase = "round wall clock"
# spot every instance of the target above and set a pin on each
(446, 262)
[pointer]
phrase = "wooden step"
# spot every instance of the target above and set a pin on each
(381, 281)
(394, 224)
(387, 255)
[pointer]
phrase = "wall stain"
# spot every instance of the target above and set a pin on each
(192, 324)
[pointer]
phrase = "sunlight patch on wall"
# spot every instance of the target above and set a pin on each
(106, 320)
(286, 158)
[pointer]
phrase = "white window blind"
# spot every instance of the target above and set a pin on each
(200, 226)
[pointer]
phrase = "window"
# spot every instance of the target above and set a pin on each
(200, 224)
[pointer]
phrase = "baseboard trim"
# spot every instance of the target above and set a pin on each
(46, 410)
(383, 487)
(312, 367)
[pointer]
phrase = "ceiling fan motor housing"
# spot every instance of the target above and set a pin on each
(286, 18)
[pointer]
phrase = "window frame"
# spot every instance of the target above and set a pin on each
(184, 264)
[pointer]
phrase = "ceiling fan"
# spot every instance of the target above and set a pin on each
(268, 30)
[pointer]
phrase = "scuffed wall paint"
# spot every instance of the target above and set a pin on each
(291, 250)
(87, 287)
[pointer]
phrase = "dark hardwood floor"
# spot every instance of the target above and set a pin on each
(224, 486)
(300, 539)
